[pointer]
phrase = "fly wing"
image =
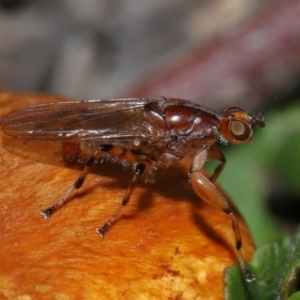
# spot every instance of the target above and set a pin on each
(107, 120)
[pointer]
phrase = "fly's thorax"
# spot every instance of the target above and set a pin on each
(180, 117)
(189, 120)
(177, 127)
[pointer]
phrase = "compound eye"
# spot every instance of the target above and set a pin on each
(240, 131)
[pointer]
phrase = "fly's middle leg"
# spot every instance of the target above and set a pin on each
(138, 171)
(122, 154)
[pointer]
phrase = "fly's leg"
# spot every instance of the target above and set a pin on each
(112, 150)
(214, 153)
(138, 170)
(210, 194)
(123, 154)
(78, 183)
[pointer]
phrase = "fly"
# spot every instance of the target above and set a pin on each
(143, 133)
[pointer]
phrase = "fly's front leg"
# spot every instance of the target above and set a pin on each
(210, 194)
(78, 183)
(214, 153)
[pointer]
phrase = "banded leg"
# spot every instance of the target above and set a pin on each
(215, 153)
(78, 183)
(210, 194)
(112, 150)
(138, 170)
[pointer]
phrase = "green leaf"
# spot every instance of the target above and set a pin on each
(274, 150)
(295, 296)
(277, 269)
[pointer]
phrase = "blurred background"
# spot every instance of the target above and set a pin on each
(219, 53)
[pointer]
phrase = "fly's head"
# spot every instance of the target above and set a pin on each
(236, 126)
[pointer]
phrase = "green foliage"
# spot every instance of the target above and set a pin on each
(274, 151)
(277, 269)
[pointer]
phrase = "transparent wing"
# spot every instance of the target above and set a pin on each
(112, 119)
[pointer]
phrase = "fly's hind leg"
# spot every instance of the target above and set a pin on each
(113, 151)
(78, 183)
(210, 194)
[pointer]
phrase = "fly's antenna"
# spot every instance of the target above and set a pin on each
(268, 105)
(258, 119)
